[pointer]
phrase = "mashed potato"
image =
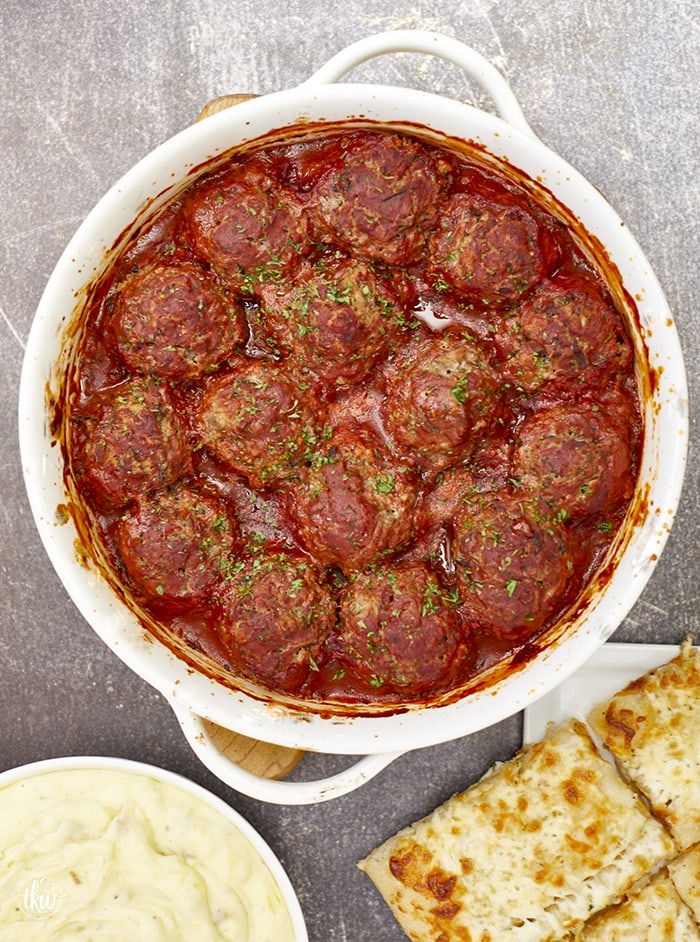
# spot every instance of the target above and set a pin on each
(107, 856)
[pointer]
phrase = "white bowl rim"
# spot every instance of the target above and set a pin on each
(146, 770)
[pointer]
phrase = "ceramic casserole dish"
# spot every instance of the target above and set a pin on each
(377, 734)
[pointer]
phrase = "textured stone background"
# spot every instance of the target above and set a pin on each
(90, 86)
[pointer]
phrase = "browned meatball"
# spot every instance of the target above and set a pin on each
(246, 226)
(487, 249)
(136, 443)
(335, 319)
(275, 614)
(512, 563)
(575, 459)
(399, 627)
(353, 503)
(563, 333)
(442, 394)
(175, 545)
(171, 320)
(258, 422)
(383, 198)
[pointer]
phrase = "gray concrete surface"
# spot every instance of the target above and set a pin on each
(90, 86)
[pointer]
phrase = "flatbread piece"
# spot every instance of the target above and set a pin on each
(652, 727)
(655, 914)
(525, 855)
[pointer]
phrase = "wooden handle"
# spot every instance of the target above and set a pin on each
(259, 758)
(222, 103)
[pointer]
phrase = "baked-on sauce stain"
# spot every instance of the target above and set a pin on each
(424, 273)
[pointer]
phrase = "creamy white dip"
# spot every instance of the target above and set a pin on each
(110, 856)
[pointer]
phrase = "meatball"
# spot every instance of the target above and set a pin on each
(442, 393)
(353, 503)
(335, 319)
(563, 332)
(398, 627)
(135, 443)
(575, 458)
(171, 320)
(275, 615)
(246, 226)
(382, 200)
(512, 565)
(176, 545)
(256, 421)
(487, 249)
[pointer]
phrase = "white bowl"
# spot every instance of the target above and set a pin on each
(108, 763)
(631, 559)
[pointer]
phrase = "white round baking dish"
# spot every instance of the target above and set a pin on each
(112, 764)
(379, 738)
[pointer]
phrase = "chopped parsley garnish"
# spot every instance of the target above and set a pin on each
(384, 483)
(605, 526)
(319, 460)
(229, 568)
(431, 594)
(312, 664)
(511, 586)
(339, 297)
(459, 390)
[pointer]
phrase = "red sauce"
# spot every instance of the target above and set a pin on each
(327, 256)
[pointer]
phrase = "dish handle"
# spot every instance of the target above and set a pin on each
(264, 789)
(434, 44)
